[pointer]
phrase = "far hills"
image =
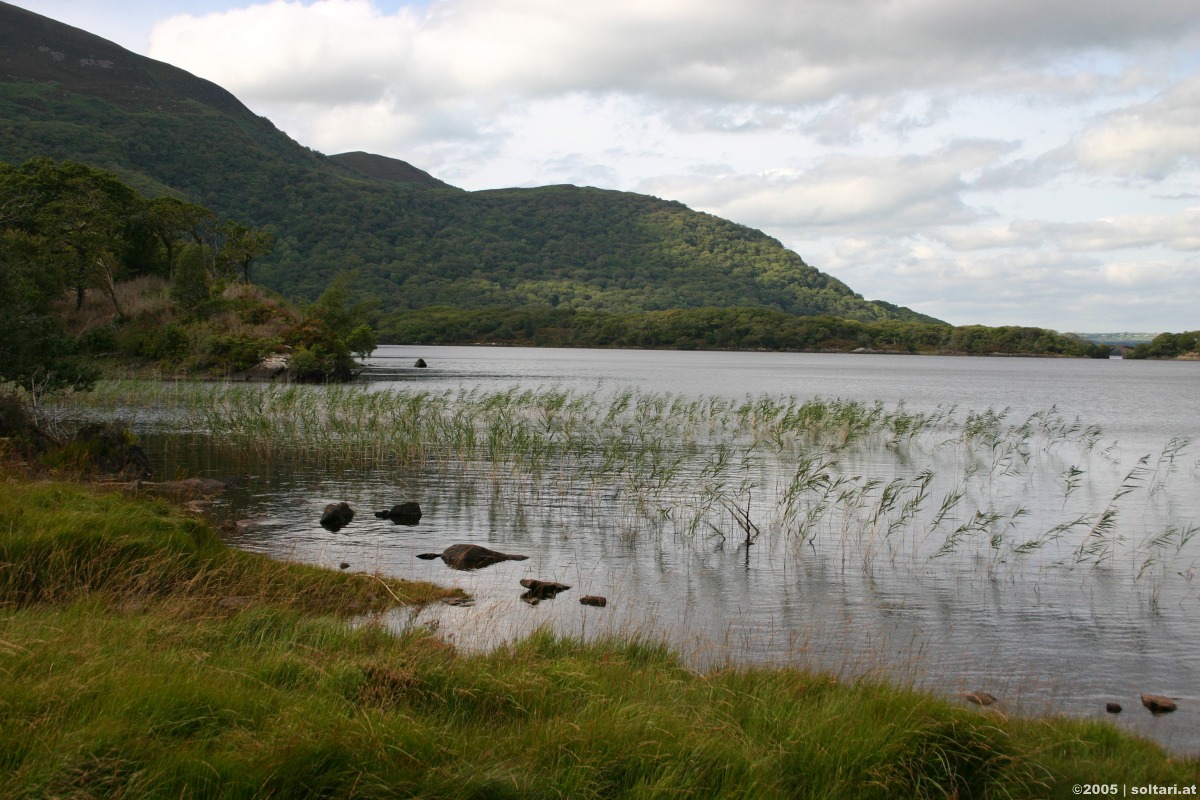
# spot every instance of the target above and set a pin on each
(413, 241)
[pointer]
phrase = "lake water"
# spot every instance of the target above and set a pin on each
(983, 596)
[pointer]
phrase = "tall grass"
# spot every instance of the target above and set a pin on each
(61, 542)
(858, 481)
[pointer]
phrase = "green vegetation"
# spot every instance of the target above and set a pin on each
(413, 241)
(720, 328)
(65, 542)
(156, 281)
(1169, 345)
(126, 676)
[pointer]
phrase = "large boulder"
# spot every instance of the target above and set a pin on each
(1158, 704)
(470, 556)
(408, 513)
(337, 515)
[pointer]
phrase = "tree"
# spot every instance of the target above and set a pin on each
(330, 333)
(35, 352)
(242, 245)
(189, 288)
(83, 217)
(171, 219)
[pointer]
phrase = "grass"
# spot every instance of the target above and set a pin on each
(124, 676)
(62, 542)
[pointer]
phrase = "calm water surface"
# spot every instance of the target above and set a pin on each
(1041, 631)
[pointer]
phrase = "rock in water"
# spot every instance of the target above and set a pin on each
(593, 600)
(470, 556)
(541, 590)
(1158, 704)
(337, 515)
(408, 513)
(981, 698)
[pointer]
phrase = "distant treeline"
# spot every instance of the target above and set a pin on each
(1168, 345)
(719, 329)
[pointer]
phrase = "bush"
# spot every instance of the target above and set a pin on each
(99, 340)
(234, 353)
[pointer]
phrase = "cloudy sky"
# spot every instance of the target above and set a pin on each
(1030, 162)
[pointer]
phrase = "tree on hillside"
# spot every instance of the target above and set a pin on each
(83, 218)
(190, 287)
(171, 220)
(242, 245)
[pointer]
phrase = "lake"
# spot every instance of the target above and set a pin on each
(1024, 527)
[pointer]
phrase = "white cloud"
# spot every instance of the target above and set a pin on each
(1148, 140)
(1178, 232)
(895, 194)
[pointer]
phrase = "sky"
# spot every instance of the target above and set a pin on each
(995, 162)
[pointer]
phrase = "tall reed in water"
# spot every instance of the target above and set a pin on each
(860, 480)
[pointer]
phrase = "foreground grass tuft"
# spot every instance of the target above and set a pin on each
(60, 542)
(123, 677)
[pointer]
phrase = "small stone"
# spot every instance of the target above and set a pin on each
(420, 364)
(593, 600)
(343, 565)
(1112, 708)
(1158, 704)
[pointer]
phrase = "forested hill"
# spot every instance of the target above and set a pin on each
(413, 240)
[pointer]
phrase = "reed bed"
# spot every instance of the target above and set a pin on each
(860, 482)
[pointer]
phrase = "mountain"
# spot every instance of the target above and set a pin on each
(382, 168)
(413, 240)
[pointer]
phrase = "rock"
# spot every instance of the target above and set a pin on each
(980, 698)
(1112, 708)
(470, 556)
(343, 565)
(420, 364)
(1158, 704)
(541, 590)
(408, 513)
(337, 515)
(268, 369)
(593, 600)
(462, 602)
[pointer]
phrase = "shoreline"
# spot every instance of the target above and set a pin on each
(626, 701)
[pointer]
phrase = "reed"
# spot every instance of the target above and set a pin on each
(852, 479)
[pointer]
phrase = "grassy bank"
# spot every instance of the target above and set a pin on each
(128, 672)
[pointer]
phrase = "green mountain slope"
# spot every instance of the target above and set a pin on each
(414, 241)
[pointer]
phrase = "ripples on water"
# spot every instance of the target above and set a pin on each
(959, 563)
